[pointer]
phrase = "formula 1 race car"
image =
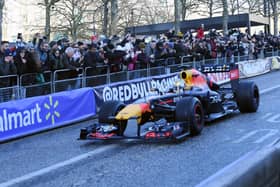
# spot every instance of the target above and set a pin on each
(179, 112)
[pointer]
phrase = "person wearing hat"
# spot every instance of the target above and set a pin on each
(7, 67)
(53, 45)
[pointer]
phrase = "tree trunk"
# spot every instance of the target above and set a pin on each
(275, 16)
(114, 17)
(48, 22)
(105, 18)
(177, 15)
(2, 3)
(225, 17)
(211, 4)
(184, 9)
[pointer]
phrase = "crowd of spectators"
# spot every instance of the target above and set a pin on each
(128, 52)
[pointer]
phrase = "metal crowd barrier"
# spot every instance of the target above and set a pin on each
(66, 79)
(9, 88)
(35, 84)
(95, 76)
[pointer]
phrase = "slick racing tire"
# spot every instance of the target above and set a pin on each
(111, 108)
(247, 97)
(190, 110)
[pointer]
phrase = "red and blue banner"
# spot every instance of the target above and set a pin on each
(27, 116)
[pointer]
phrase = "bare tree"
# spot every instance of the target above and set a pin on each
(129, 15)
(225, 17)
(188, 7)
(71, 17)
(250, 6)
(48, 5)
(2, 3)
(209, 7)
(159, 12)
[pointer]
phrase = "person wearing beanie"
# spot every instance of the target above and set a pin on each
(7, 67)
(53, 45)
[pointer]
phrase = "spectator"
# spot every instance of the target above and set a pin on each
(114, 57)
(92, 58)
(142, 57)
(55, 60)
(200, 32)
(69, 63)
(43, 52)
(78, 54)
(4, 47)
(21, 62)
(150, 51)
(7, 67)
(68, 60)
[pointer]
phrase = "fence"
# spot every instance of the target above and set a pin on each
(9, 88)
(34, 84)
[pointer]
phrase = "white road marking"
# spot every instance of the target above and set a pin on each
(56, 166)
(246, 136)
(263, 138)
(274, 119)
(262, 133)
(267, 115)
(89, 154)
(269, 89)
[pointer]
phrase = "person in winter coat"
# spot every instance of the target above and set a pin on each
(92, 58)
(7, 67)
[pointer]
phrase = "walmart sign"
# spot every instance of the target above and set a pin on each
(22, 117)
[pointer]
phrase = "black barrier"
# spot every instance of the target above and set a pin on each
(258, 168)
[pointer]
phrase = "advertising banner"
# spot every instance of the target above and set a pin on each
(253, 67)
(132, 90)
(274, 62)
(27, 116)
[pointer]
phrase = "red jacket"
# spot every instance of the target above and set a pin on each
(200, 33)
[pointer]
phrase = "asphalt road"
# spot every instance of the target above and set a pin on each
(56, 158)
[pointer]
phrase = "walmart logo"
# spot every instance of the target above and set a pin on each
(52, 114)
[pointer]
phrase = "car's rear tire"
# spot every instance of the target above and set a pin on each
(190, 109)
(111, 108)
(247, 97)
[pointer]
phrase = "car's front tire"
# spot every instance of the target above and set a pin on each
(112, 108)
(190, 109)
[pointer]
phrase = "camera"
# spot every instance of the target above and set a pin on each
(19, 36)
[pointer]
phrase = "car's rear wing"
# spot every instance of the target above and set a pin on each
(231, 68)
